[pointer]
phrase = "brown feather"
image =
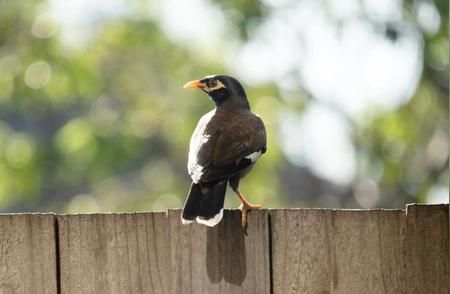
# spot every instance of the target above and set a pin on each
(223, 139)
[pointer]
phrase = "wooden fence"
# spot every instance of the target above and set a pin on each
(285, 251)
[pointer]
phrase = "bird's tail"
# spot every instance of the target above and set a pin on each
(204, 203)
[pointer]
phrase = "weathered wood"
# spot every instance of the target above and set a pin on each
(152, 253)
(220, 259)
(285, 251)
(27, 254)
(332, 251)
(114, 253)
(428, 249)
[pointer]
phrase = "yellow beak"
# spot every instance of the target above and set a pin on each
(194, 85)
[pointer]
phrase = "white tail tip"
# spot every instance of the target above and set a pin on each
(186, 221)
(212, 221)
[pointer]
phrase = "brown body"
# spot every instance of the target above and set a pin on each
(225, 138)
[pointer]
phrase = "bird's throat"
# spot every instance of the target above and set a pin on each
(219, 96)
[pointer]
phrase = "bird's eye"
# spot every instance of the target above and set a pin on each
(212, 83)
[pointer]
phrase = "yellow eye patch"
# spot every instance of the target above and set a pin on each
(214, 85)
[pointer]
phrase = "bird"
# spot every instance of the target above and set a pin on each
(223, 149)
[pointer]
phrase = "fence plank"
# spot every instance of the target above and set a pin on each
(150, 253)
(327, 251)
(312, 251)
(114, 253)
(220, 259)
(27, 253)
(428, 249)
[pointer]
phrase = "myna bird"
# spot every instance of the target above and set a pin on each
(224, 147)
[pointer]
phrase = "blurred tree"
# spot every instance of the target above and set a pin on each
(106, 127)
(402, 154)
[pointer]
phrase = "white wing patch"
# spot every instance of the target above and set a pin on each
(196, 170)
(254, 156)
(196, 174)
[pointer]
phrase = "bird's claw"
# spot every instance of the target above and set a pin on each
(244, 209)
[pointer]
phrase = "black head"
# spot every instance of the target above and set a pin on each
(222, 89)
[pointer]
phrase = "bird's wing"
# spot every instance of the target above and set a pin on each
(221, 150)
(241, 139)
(234, 148)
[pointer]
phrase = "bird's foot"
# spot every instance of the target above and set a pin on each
(246, 207)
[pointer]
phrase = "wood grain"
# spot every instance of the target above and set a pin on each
(152, 253)
(27, 254)
(330, 251)
(114, 253)
(285, 251)
(428, 249)
(220, 259)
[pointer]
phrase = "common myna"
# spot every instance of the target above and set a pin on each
(224, 147)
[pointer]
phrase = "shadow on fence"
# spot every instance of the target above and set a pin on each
(285, 251)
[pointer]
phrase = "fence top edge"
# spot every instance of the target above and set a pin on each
(266, 210)
(408, 206)
(27, 213)
(231, 210)
(119, 213)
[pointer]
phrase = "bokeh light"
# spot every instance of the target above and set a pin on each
(93, 117)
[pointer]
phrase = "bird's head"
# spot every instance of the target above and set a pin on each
(223, 90)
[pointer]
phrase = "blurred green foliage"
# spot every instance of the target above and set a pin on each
(106, 128)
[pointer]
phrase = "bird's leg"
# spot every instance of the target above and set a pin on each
(245, 207)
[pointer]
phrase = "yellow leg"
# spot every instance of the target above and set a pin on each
(245, 207)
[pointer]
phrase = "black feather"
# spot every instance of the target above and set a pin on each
(192, 205)
(205, 200)
(217, 172)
